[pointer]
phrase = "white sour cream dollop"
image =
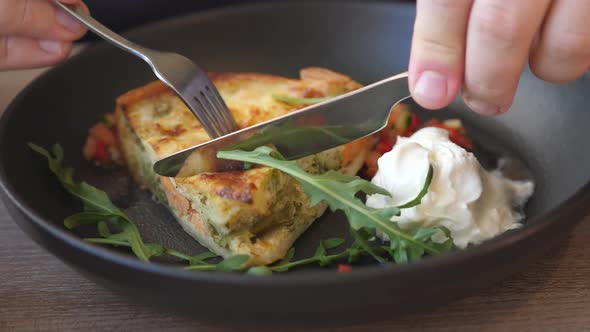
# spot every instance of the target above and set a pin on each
(472, 203)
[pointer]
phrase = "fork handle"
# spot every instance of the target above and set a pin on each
(106, 33)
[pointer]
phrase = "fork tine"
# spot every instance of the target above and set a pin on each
(204, 117)
(222, 108)
(213, 113)
(216, 110)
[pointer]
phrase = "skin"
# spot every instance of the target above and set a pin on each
(482, 46)
(34, 33)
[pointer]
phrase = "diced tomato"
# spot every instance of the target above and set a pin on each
(389, 134)
(344, 268)
(456, 135)
(434, 123)
(100, 151)
(383, 147)
(412, 127)
(460, 139)
(415, 123)
(103, 134)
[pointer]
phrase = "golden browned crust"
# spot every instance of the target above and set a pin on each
(149, 90)
(235, 185)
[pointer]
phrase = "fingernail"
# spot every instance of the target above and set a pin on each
(483, 107)
(68, 21)
(51, 46)
(432, 88)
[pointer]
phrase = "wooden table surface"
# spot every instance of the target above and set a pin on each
(38, 292)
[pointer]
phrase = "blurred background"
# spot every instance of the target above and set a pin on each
(124, 14)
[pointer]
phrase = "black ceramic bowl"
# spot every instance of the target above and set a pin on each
(369, 41)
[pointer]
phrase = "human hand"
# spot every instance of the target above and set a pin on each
(34, 33)
(482, 47)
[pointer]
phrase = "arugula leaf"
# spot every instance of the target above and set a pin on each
(98, 209)
(233, 263)
(260, 270)
(321, 252)
(288, 257)
(339, 192)
(362, 237)
(304, 101)
(332, 243)
(320, 257)
(112, 242)
(131, 235)
(103, 229)
(424, 234)
(201, 258)
(85, 218)
(94, 200)
(284, 264)
(421, 194)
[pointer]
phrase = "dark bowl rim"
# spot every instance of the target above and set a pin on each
(315, 277)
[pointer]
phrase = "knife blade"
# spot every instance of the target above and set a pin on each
(310, 130)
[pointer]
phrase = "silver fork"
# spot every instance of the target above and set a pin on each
(179, 73)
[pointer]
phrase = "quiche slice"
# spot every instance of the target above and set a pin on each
(258, 212)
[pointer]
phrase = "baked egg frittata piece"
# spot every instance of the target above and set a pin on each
(258, 212)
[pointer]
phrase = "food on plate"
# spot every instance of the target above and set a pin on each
(473, 204)
(257, 212)
(428, 193)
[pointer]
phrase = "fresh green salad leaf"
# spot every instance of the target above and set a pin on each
(97, 206)
(320, 257)
(234, 263)
(421, 194)
(362, 237)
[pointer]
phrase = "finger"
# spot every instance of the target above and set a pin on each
(499, 37)
(38, 19)
(563, 51)
(438, 51)
(24, 52)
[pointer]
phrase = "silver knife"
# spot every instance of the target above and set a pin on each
(310, 130)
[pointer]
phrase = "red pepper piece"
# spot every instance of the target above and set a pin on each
(383, 146)
(342, 268)
(455, 134)
(100, 151)
(460, 139)
(414, 124)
